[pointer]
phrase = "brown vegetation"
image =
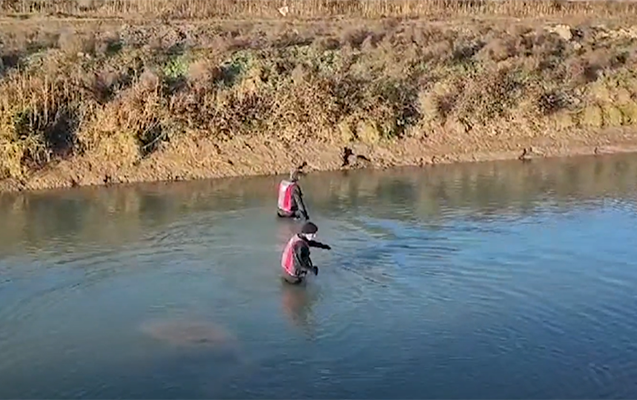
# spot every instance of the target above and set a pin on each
(202, 9)
(106, 101)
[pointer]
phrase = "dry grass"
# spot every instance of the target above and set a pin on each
(198, 9)
(119, 91)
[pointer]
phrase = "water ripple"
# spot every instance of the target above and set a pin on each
(439, 284)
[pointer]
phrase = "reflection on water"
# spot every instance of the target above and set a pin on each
(491, 280)
(478, 190)
(298, 303)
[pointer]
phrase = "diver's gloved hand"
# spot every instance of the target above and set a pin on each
(315, 270)
(328, 247)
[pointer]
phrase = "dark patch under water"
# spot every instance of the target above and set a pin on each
(187, 333)
(495, 280)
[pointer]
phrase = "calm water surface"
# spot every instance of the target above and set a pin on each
(499, 280)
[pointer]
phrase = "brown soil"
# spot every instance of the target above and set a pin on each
(188, 159)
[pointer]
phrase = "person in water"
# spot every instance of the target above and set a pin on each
(295, 261)
(290, 202)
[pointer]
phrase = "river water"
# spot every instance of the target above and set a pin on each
(494, 280)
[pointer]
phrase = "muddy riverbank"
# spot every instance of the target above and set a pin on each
(90, 102)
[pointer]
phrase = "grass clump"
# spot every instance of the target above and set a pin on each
(39, 119)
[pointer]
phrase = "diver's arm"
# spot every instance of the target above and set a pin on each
(319, 245)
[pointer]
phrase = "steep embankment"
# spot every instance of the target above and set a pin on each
(114, 102)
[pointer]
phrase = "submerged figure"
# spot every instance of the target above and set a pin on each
(188, 333)
(290, 202)
(295, 261)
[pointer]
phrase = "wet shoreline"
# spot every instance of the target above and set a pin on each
(189, 160)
